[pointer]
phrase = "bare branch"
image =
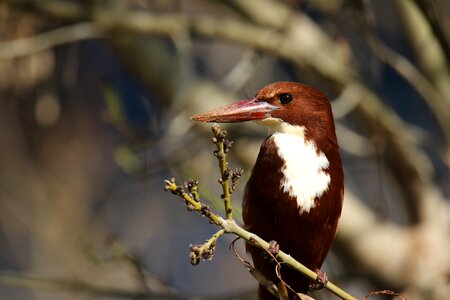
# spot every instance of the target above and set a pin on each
(49, 39)
(34, 281)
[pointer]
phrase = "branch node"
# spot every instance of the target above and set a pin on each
(227, 144)
(235, 176)
(320, 282)
(194, 254)
(192, 187)
(190, 207)
(205, 211)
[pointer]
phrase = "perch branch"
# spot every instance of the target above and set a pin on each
(230, 226)
(189, 193)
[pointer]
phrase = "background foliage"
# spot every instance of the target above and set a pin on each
(94, 104)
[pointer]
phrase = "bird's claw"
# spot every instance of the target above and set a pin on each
(320, 282)
(274, 248)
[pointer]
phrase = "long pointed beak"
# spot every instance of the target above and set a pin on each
(244, 110)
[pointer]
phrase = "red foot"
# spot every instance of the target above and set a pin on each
(320, 282)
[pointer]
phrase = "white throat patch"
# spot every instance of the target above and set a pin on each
(304, 170)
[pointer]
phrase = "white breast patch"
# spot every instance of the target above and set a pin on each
(304, 170)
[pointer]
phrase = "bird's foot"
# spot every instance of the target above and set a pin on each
(320, 282)
(274, 248)
(272, 252)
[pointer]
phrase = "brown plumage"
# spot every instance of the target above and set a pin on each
(273, 207)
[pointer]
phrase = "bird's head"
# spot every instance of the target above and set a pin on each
(288, 107)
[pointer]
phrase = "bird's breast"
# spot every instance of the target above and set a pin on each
(304, 169)
(294, 196)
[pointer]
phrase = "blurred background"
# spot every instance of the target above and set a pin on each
(94, 104)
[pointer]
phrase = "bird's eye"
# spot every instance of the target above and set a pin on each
(285, 98)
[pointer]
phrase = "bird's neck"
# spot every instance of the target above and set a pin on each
(277, 125)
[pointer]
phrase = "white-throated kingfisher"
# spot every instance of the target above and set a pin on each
(295, 192)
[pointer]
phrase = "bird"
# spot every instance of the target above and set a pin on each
(294, 195)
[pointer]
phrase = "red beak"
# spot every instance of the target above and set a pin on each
(244, 110)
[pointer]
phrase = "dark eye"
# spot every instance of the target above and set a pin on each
(285, 98)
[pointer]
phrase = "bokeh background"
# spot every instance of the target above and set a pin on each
(94, 104)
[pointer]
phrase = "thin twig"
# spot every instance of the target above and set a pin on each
(223, 146)
(206, 250)
(191, 204)
(262, 280)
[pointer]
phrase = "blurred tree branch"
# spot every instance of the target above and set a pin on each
(35, 281)
(47, 40)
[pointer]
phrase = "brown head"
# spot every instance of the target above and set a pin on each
(282, 106)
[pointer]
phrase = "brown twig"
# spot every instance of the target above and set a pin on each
(262, 280)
